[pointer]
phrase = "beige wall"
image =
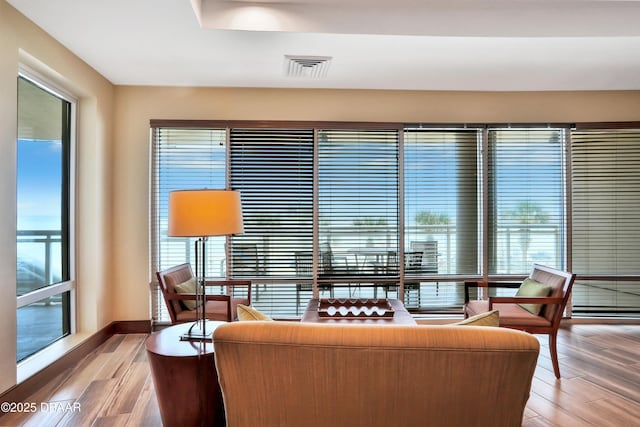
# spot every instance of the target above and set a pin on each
(22, 42)
(113, 156)
(135, 106)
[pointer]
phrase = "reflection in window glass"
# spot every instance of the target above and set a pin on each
(42, 323)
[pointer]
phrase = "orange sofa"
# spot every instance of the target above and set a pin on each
(300, 374)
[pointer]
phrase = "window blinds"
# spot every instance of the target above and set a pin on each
(526, 199)
(342, 187)
(183, 159)
(441, 210)
(273, 170)
(441, 197)
(605, 221)
(357, 202)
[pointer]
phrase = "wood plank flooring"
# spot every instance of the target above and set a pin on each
(600, 385)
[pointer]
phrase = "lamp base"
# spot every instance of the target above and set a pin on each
(200, 331)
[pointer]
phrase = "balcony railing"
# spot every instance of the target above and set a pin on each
(517, 247)
(38, 259)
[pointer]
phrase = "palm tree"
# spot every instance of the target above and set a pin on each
(526, 213)
(430, 218)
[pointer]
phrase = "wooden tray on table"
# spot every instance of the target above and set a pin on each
(354, 308)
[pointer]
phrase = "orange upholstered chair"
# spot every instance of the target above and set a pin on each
(219, 307)
(514, 316)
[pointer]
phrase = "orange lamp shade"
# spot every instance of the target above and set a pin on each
(204, 212)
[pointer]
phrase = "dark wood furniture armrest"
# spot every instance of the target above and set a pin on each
(187, 297)
(231, 283)
(227, 282)
(181, 297)
(524, 300)
(482, 284)
(503, 284)
(471, 284)
(218, 297)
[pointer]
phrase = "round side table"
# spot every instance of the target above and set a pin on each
(185, 378)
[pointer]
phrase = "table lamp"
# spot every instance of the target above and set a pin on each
(202, 213)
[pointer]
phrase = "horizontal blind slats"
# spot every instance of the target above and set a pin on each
(357, 201)
(441, 202)
(183, 159)
(273, 170)
(526, 214)
(605, 220)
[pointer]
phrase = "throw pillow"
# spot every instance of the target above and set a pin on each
(490, 318)
(188, 287)
(532, 288)
(249, 313)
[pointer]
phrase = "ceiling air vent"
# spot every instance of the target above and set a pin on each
(306, 66)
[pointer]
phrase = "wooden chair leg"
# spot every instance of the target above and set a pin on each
(554, 354)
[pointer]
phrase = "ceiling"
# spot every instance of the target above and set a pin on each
(492, 45)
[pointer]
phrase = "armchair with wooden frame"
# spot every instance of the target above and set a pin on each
(513, 316)
(219, 307)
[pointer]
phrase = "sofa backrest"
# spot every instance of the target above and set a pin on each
(303, 374)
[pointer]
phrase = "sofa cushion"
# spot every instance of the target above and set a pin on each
(249, 313)
(532, 288)
(188, 287)
(490, 318)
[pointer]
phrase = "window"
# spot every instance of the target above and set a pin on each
(605, 221)
(273, 170)
(526, 199)
(335, 209)
(44, 169)
(358, 186)
(183, 159)
(441, 210)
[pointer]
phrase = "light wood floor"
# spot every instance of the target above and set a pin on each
(600, 386)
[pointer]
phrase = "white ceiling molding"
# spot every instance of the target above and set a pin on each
(463, 45)
(478, 18)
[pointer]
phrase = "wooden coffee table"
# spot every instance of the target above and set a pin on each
(400, 316)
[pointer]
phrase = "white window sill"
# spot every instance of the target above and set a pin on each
(34, 364)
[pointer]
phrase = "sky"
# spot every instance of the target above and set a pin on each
(39, 179)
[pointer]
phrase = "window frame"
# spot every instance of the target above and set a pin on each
(482, 181)
(68, 213)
